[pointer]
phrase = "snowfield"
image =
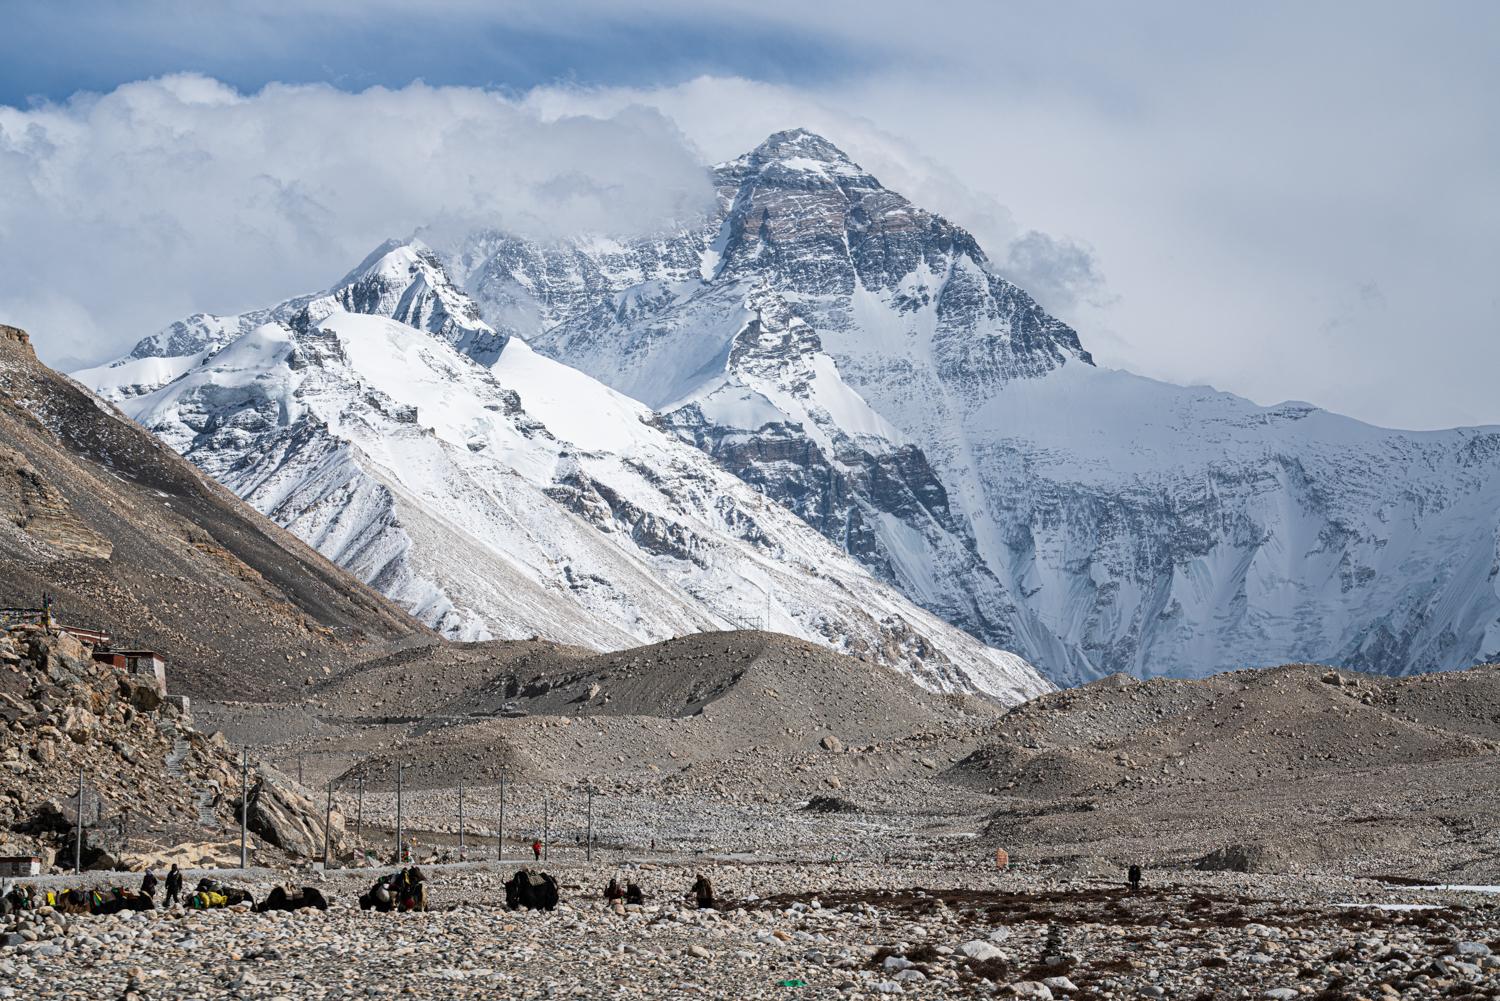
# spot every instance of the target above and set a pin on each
(519, 499)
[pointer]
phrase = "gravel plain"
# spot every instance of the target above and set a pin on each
(785, 930)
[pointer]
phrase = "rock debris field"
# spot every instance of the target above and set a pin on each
(790, 931)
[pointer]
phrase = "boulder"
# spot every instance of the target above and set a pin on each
(284, 814)
(143, 691)
(832, 743)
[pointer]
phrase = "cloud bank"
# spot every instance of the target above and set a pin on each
(123, 211)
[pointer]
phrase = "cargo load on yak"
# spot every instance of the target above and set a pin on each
(405, 890)
(212, 893)
(286, 898)
(535, 891)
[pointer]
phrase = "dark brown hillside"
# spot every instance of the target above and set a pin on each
(132, 539)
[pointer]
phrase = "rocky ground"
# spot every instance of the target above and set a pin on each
(792, 930)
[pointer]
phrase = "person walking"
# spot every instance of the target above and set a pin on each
(174, 886)
(536, 849)
(1134, 875)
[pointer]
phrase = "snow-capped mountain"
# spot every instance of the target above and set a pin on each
(855, 357)
(497, 492)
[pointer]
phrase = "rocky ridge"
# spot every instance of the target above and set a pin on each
(130, 539)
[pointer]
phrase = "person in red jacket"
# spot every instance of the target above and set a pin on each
(536, 849)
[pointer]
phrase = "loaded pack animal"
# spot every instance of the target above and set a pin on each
(117, 900)
(405, 890)
(703, 893)
(535, 891)
(112, 900)
(633, 894)
(211, 894)
(284, 898)
(17, 898)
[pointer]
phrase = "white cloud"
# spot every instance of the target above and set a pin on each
(124, 211)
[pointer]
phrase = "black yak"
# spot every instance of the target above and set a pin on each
(535, 891)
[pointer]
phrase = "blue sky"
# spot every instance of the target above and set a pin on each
(1284, 200)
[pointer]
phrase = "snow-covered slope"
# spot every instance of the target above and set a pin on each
(516, 498)
(853, 356)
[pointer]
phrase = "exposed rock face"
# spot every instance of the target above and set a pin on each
(34, 506)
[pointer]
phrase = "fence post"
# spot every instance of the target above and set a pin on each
(327, 824)
(359, 817)
(588, 850)
(546, 826)
(460, 820)
(78, 841)
(500, 828)
(244, 807)
(400, 776)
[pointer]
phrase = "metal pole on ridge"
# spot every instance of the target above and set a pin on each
(588, 851)
(460, 819)
(500, 828)
(244, 808)
(400, 776)
(327, 823)
(78, 841)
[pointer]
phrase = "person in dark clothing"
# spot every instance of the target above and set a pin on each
(612, 891)
(174, 886)
(1134, 875)
(148, 884)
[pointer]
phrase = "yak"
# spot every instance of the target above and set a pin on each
(535, 891)
(405, 890)
(283, 898)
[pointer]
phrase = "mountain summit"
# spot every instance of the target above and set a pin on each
(854, 356)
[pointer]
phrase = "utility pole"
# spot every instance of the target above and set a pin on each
(327, 823)
(588, 851)
(500, 828)
(244, 807)
(359, 816)
(460, 820)
(546, 825)
(78, 841)
(400, 775)
(299, 769)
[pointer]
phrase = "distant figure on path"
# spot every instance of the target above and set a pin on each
(148, 884)
(536, 849)
(1134, 875)
(174, 886)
